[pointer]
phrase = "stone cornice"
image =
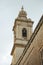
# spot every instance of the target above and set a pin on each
(25, 39)
(31, 39)
(24, 20)
(25, 25)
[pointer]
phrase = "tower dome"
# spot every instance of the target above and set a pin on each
(22, 13)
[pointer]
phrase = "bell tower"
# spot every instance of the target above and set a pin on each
(22, 31)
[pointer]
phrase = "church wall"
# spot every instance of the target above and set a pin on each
(32, 56)
(19, 51)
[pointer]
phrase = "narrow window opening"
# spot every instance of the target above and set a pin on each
(24, 32)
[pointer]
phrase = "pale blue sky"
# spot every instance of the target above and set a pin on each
(9, 10)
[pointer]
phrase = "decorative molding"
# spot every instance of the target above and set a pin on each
(19, 45)
(23, 20)
(24, 39)
(25, 25)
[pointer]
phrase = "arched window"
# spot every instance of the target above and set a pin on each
(24, 32)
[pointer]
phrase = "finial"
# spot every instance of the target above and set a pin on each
(22, 13)
(22, 8)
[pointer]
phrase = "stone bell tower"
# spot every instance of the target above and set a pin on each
(22, 31)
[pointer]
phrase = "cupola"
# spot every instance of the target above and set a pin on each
(22, 13)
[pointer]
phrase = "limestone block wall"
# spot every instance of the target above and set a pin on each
(17, 53)
(32, 56)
